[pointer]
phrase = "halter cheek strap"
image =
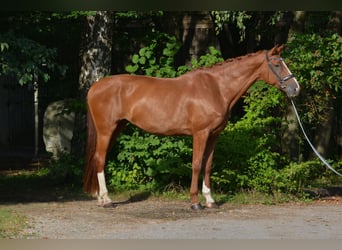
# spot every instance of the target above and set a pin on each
(270, 65)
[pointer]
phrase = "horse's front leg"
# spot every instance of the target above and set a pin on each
(207, 162)
(199, 145)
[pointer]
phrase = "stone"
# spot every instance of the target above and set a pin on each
(58, 128)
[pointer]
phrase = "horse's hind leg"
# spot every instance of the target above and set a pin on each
(104, 144)
(120, 126)
(100, 158)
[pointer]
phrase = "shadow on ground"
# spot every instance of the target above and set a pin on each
(137, 197)
(21, 182)
(26, 189)
(317, 193)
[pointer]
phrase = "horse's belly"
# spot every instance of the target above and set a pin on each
(162, 125)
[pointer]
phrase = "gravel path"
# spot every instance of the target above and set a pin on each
(155, 219)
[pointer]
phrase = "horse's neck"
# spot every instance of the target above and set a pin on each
(239, 76)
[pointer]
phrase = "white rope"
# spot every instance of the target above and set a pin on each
(313, 148)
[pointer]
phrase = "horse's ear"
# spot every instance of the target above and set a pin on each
(277, 49)
(280, 48)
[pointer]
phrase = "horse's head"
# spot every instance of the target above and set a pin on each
(278, 74)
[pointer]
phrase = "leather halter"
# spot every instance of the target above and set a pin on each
(282, 80)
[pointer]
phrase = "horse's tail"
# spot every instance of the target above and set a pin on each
(91, 184)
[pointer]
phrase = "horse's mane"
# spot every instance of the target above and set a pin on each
(227, 61)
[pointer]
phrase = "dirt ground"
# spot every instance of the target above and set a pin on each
(152, 218)
(52, 216)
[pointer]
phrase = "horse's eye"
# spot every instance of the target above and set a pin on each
(277, 65)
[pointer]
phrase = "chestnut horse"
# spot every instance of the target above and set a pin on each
(196, 104)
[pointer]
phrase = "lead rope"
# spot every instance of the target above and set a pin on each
(313, 148)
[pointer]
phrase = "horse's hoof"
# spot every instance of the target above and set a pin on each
(109, 205)
(197, 206)
(211, 205)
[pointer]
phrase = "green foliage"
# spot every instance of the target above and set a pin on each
(72, 14)
(68, 169)
(151, 62)
(157, 58)
(236, 17)
(316, 62)
(3, 46)
(25, 59)
(248, 155)
(212, 57)
(138, 14)
(150, 161)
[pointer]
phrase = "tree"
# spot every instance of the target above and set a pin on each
(96, 57)
(96, 62)
(24, 59)
(317, 63)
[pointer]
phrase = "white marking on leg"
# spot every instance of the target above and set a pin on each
(103, 192)
(207, 194)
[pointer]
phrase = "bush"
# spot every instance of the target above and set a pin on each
(68, 169)
(145, 161)
(157, 58)
(316, 61)
(149, 161)
(248, 155)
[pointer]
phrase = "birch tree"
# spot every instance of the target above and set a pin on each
(96, 61)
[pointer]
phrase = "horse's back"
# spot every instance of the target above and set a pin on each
(158, 105)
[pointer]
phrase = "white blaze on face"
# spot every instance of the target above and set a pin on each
(297, 89)
(207, 194)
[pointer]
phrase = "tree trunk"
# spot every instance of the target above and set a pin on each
(337, 133)
(96, 57)
(283, 27)
(298, 22)
(323, 133)
(290, 139)
(96, 63)
(335, 22)
(197, 35)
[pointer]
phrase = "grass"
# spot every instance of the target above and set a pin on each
(240, 198)
(254, 197)
(26, 186)
(11, 224)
